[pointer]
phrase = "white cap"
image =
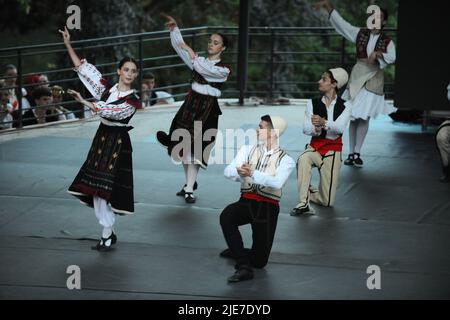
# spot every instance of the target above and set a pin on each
(340, 75)
(279, 124)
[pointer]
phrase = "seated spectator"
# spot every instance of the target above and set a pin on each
(56, 112)
(151, 97)
(42, 98)
(10, 74)
(43, 81)
(5, 107)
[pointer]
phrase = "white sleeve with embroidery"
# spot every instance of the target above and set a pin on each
(113, 111)
(210, 71)
(342, 27)
(176, 38)
(388, 57)
(91, 78)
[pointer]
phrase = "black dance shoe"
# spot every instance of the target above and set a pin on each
(182, 191)
(242, 274)
(358, 161)
(350, 160)
(189, 197)
(105, 243)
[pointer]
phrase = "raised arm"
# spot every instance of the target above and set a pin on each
(73, 56)
(177, 41)
(88, 73)
(341, 26)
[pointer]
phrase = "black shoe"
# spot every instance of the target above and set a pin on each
(300, 210)
(350, 160)
(105, 243)
(358, 161)
(242, 274)
(182, 192)
(189, 197)
(163, 138)
(229, 255)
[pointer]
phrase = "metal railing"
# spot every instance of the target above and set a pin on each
(267, 57)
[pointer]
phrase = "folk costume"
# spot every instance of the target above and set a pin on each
(105, 181)
(324, 149)
(365, 88)
(198, 115)
(258, 204)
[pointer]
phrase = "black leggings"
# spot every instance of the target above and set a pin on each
(263, 217)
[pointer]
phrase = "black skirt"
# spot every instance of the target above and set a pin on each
(205, 111)
(107, 172)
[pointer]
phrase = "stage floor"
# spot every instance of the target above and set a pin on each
(392, 213)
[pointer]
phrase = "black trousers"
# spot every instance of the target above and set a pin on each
(263, 218)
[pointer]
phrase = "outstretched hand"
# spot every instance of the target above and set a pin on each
(75, 94)
(323, 4)
(65, 35)
(171, 23)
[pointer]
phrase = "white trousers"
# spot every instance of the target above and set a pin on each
(104, 213)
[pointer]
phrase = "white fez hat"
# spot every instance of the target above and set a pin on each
(340, 75)
(278, 123)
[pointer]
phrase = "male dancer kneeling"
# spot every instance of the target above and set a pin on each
(262, 171)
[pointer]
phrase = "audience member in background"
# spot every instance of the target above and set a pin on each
(151, 97)
(5, 107)
(56, 112)
(43, 81)
(42, 98)
(10, 74)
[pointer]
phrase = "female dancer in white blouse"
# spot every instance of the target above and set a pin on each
(105, 181)
(200, 111)
(365, 90)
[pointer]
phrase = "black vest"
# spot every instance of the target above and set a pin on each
(132, 97)
(320, 109)
(197, 77)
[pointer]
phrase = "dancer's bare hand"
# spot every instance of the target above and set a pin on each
(76, 95)
(323, 4)
(65, 35)
(171, 23)
(244, 170)
(317, 121)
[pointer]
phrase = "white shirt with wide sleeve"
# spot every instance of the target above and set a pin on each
(334, 128)
(350, 33)
(206, 67)
(276, 181)
(94, 82)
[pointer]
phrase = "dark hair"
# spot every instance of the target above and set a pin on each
(41, 91)
(333, 80)
(127, 59)
(385, 14)
(268, 119)
(9, 67)
(225, 40)
(148, 75)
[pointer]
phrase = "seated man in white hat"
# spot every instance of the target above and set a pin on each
(325, 120)
(262, 171)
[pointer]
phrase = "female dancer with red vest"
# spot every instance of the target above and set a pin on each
(374, 51)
